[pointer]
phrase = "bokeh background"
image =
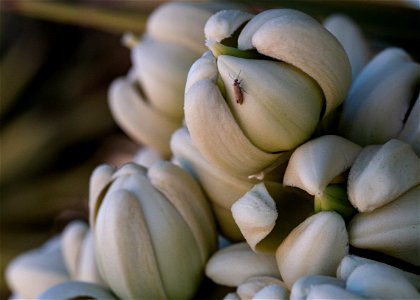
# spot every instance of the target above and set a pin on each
(57, 59)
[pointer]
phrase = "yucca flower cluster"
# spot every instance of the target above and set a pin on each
(287, 138)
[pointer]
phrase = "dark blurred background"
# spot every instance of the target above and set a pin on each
(57, 60)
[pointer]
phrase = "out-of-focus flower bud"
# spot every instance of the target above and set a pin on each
(234, 264)
(315, 247)
(77, 290)
(373, 280)
(262, 93)
(153, 230)
(381, 100)
(381, 173)
(349, 34)
(34, 271)
(148, 103)
(146, 157)
(393, 229)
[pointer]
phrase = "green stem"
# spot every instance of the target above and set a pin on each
(114, 21)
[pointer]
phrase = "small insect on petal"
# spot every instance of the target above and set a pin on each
(237, 90)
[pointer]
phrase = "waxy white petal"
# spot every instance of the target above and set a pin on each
(299, 40)
(315, 247)
(382, 173)
(316, 163)
(233, 264)
(393, 229)
(380, 282)
(76, 290)
(281, 107)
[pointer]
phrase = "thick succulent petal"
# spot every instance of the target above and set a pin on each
(331, 291)
(147, 156)
(379, 282)
(77, 290)
(187, 197)
(272, 291)
(224, 23)
(380, 98)
(302, 287)
(281, 106)
(351, 37)
(138, 118)
(99, 180)
(393, 229)
(32, 272)
(87, 266)
(316, 163)
(350, 262)
(299, 40)
(253, 285)
(267, 213)
(181, 23)
(169, 243)
(71, 242)
(216, 134)
(232, 265)
(315, 247)
(382, 173)
(161, 69)
(222, 188)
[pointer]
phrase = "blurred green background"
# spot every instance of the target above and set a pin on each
(57, 59)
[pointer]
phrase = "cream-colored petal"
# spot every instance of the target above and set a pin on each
(222, 188)
(315, 247)
(302, 287)
(203, 68)
(382, 173)
(351, 37)
(314, 164)
(267, 213)
(379, 113)
(147, 156)
(71, 242)
(76, 290)
(393, 229)
(281, 105)
(245, 37)
(161, 69)
(256, 214)
(173, 243)
(32, 272)
(124, 248)
(377, 281)
(350, 262)
(99, 179)
(250, 287)
(216, 134)
(330, 291)
(87, 270)
(182, 23)
(301, 41)
(141, 121)
(272, 291)
(187, 197)
(233, 264)
(224, 23)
